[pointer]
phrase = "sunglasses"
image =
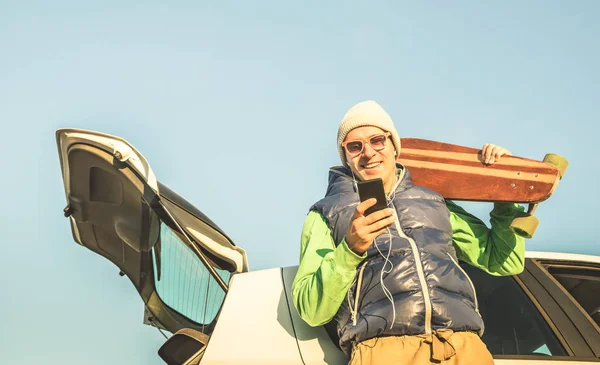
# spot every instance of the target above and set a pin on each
(377, 142)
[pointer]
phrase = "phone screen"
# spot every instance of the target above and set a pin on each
(372, 189)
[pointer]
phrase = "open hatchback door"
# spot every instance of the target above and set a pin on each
(193, 280)
(177, 258)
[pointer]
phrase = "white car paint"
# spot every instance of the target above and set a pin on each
(255, 325)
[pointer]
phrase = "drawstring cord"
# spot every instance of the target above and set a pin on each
(441, 348)
(354, 310)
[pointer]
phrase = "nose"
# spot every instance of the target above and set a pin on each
(368, 151)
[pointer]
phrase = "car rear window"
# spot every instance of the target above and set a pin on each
(183, 282)
(583, 284)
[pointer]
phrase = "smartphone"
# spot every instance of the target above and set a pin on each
(368, 189)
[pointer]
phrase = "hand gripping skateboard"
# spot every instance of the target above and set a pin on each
(458, 173)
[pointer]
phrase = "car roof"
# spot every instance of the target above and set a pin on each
(562, 256)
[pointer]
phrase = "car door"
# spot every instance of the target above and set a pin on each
(573, 283)
(527, 323)
(179, 261)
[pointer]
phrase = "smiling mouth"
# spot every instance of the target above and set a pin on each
(372, 165)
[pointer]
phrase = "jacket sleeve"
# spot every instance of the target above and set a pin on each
(325, 272)
(498, 251)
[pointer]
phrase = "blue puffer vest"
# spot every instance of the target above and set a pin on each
(429, 290)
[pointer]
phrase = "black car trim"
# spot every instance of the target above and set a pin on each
(587, 329)
(172, 196)
(560, 325)
(521, 279)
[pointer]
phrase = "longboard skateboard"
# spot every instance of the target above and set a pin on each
(458, 173)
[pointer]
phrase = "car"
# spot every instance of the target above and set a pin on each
(196, 284)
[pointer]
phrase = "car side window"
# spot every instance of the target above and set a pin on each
(583, 284)
(513, 324)
(183, 282)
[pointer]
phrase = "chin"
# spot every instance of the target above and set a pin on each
(369, 176)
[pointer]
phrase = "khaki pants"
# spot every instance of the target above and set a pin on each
(444, 347)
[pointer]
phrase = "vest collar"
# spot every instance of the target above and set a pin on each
(342, 179)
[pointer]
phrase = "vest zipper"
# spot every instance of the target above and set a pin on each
(354, 311)
(469, 279)
(420, 274)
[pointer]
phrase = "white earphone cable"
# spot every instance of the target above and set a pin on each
(386, 291)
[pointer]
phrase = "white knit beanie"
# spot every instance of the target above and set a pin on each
(366, 113)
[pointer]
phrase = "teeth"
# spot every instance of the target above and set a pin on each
(372, 165)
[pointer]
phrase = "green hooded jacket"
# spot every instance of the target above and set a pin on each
(326, 272)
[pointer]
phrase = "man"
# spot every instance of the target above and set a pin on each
(391, 280)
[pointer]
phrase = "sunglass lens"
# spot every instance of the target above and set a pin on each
(354, 147)
(378, 142)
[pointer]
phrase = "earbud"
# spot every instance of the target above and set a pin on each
(354, 184)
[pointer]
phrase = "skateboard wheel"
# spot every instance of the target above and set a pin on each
(560, 162)
(525, 226)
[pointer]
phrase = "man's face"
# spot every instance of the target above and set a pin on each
(369, 163)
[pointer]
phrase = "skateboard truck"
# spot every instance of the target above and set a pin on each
(526, 223)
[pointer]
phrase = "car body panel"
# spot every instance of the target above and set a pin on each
(258, 323)
(314, 342)
(114, 145)
(254, 326)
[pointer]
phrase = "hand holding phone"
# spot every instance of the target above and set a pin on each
(372, 189)
(364, 227)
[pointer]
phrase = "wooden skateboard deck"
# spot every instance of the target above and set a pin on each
(458, 173)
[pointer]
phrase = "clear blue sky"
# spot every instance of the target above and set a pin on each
(237, 106)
